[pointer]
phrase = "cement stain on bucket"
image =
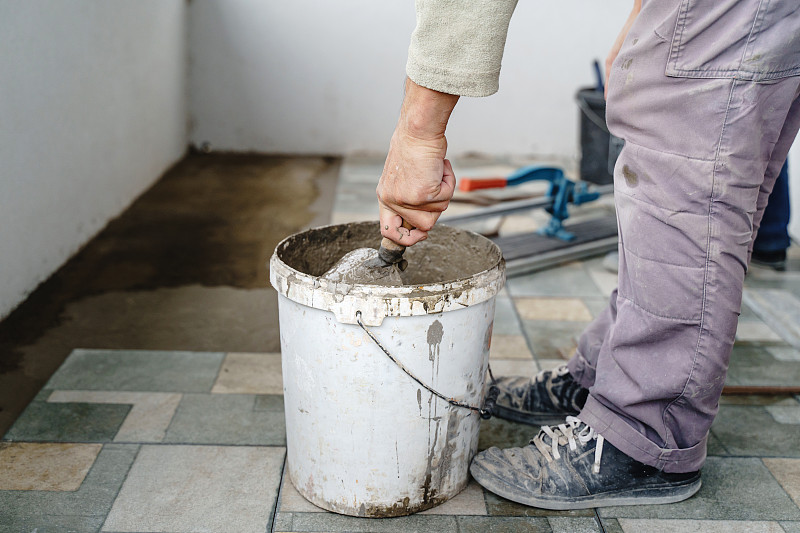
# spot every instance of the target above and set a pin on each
(435, 334)
(360, 440)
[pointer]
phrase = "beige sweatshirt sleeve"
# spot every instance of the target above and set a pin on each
(458, 45)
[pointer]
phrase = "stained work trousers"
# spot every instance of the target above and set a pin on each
(705, 94)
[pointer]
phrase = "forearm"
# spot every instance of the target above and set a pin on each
(425, 112)
(456, 49)
(417, 182)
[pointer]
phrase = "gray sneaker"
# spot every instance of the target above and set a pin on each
(546, 398)
(571, 466)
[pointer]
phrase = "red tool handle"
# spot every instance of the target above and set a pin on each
(473, 184)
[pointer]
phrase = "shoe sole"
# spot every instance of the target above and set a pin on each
(644, 496)
(778, 266)
(532, 419)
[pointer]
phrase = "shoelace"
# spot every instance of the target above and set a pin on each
(562, 393)
(572, 433)
(544, 374)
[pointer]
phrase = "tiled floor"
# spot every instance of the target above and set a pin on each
(171, 441)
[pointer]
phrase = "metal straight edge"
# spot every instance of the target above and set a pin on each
(506, 208)
(525, 265)
(495, 210)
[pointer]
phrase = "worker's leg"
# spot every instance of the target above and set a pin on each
(705, 93)
(772, 232)
(582, 365)
(700, 145)
(681, 117)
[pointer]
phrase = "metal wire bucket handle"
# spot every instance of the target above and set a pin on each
(485, 412)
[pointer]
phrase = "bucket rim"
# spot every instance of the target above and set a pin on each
(376, 302)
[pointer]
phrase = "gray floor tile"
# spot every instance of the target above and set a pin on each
(505, 318)
(790, 527)
(569, 280)
(605, 281)
(227, 419)
(715, 446)
(785, 353)
(328, 522)
(513, 367)
(756, 332)
(779, 308)
(553, 340)
(755, 365)
(555, 309)
(755, 399)
(562, 524)
(269, 402)
(785, 414)
(149, 417)
(596, 305)
(504, 434)
(49, 523)
(752, 431)
(481, 524)
(747, 314)
(68, 422)
(352, 203)
(93, 499)
(611, 525)
(143, 371)
(635, 525)
(356, 187)
(348, 192)
(770, 280)
(361, 176)
(199, 488)
(733, 489)
(344, 217)
(283, 522)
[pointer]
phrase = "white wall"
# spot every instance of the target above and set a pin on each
(92, 111)
(314, 76)
(794, 190)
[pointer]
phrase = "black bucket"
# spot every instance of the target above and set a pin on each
(599, 149)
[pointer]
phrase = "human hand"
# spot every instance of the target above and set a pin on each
(416, 186)
(417, 182)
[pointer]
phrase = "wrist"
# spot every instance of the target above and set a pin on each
(425, 112)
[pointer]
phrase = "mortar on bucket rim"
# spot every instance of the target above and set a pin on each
(363, 438)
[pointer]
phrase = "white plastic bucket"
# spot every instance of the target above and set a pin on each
(363, 437)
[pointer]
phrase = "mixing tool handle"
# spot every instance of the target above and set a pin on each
(391, 253)
(392, 246)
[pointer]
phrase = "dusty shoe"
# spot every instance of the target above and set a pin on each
(544, 399)
(775, 260)
(570, 466)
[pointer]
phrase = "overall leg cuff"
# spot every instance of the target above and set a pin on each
(635, 445)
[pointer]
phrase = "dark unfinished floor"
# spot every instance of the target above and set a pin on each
(184, 268)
